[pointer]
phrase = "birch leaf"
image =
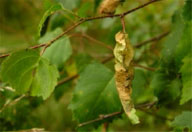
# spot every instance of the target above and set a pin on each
(183, 120)
(45, 79)
(17, 69)
(186, 72)
(95, 94)
(59, 51)
(50, 11)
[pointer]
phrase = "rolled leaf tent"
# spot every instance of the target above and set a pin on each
(124, 72)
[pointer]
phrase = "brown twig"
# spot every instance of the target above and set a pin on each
(121, 14)
(33, 130)
(156, 38)
(82, 20)
(144, 67)
(107, 59)
(102, 117)
(140, 107)
(12, 102)
(105, 126)
(67, 79)
(92, 39)
(33, 47)
(123, 23)
(154, 114)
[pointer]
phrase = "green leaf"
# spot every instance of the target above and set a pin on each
(60, 90)
(17, 69)
(49, 12)
(82, 60)
(95, 94)
(139, 88)
(59, 51)
(187, 14)
(85, 9)
(166, 86)
(45, 79)
(186, 72)
(173, 38)
(50, 36)
(57, 20)
(70, 4)
(184, 120)
(96, 4)
(186, 41)
(141, 91)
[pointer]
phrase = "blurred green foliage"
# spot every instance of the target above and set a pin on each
(25, 23)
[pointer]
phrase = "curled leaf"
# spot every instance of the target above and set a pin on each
(108, 6)
(124, 72)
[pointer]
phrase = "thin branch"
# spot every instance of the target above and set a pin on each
(37, 46)
(33, 130)
(44, 48)
(121, 14)
(156, 38)
(67, 79)
(155, 115)
(70, 12)
(123, 23)
(90, 19)
(140, 107)
(33, 47)
(93, 40)
(107, 59)
(144, 67)
(9, 103)
(105, 126)
(5, 55)
(102, 117)
(102, 17)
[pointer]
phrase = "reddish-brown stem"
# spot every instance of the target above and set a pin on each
(156, 38)
(123, 23)
(105, 126)
(144, 67)
(91, 39)
(67, 79)
(102, 117)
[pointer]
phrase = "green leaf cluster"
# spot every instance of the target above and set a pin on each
(26, 71)
(176, 61)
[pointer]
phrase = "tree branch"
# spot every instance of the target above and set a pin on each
(92, 39)
(82, 20)
(156, 38)
(102, 117)
(9, 103)
(67, 79)
(144, 67)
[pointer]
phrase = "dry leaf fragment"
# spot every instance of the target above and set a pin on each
(124, 73)
(108, 6)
